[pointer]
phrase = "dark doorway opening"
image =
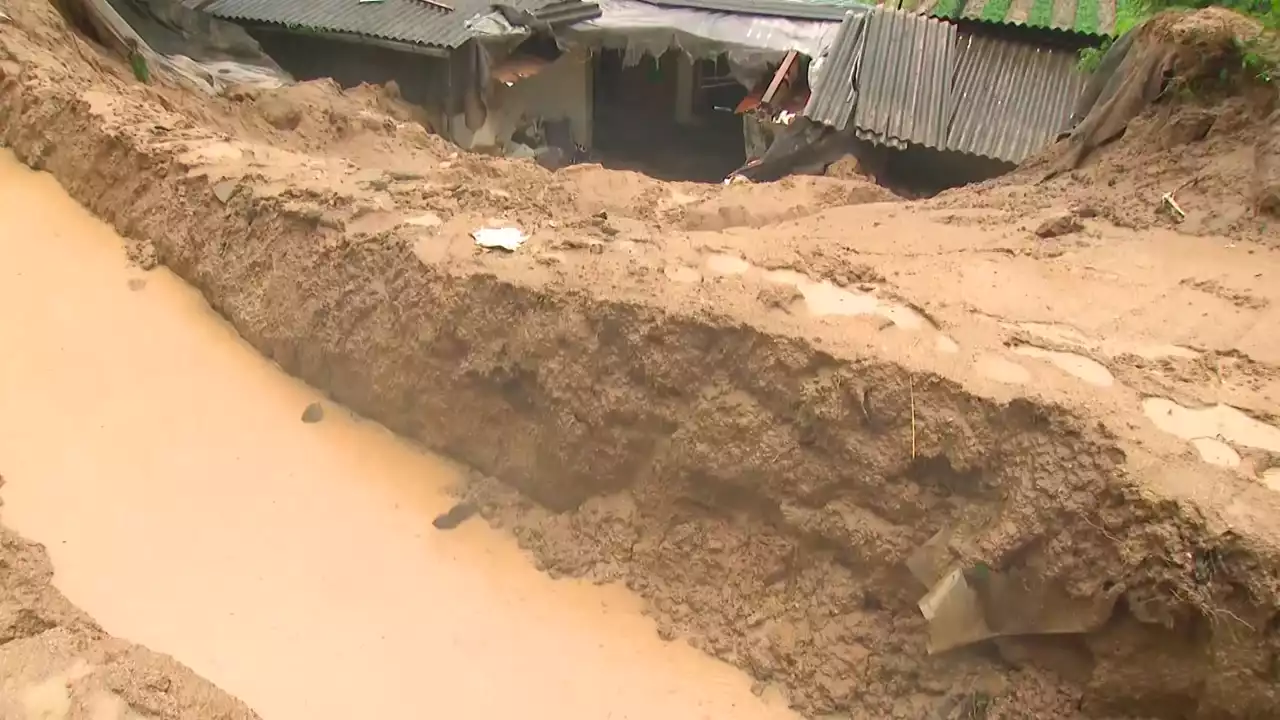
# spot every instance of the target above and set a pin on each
(664, 120)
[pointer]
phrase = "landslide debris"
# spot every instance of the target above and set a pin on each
(1180, 128)
(56, 662)
(760, 479)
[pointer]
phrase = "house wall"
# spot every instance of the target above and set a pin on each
(423, 80)
(561, 90)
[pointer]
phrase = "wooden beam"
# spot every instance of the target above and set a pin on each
(778, 77)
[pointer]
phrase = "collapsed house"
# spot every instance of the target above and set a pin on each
(923, 95)
(652, 84)
(928, 97)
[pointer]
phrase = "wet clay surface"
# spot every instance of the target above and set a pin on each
(56, 662)
(755, 417)
(191, 504)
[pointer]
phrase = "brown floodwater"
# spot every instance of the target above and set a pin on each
(186, 507)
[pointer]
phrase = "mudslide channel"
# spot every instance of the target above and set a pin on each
(187, 507)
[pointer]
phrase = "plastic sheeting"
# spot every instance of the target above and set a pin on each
(208, 54)
(751, 42)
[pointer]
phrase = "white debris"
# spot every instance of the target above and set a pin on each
(504, 238)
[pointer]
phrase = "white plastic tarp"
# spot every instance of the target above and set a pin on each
(751, 42)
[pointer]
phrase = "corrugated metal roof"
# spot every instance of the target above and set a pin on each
(900, 78)
(834, 95)
(567, 12)
(904, 79)
(1011, 99)
(793, 9)
(1090, 17)
(410, 21)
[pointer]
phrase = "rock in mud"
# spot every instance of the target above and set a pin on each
(313, 414)
(279, 113)
(1059, 225)
(457, 515)
(224, 190)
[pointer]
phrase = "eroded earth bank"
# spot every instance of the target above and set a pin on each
(753, 405)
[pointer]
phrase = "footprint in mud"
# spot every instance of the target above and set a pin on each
(313, 414)
(455, 517)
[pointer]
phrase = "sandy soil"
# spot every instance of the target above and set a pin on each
(752, 404)
(55, 662)
(184, 432)
(1210, 145)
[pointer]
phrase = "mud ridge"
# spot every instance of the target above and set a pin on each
(758, 483)
(57, 662)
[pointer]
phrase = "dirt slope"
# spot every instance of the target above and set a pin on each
(752, 408)
(55, 662)
(1210, 139)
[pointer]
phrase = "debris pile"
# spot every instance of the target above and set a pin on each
(1178, 128)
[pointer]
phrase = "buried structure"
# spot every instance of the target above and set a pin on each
(899, 463)
(698, 89)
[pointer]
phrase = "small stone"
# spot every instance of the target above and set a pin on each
(313, 414)
(224, 190)
(279, 112)
(455, 517)
(1058, 225)
(136, 284)
(779, 297)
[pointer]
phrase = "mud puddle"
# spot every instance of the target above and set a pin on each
(187, 507)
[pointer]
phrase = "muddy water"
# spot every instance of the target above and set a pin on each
(187, 508)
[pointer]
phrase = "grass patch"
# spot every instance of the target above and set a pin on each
(1259, 57)
(1041, 14)
(1086, 17)
(996, 10)
(948, 9)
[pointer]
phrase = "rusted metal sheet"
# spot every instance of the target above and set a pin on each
(1010, 99)
(904, 79)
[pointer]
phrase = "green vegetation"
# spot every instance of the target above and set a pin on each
(996, 10)
(1041, 13)
(947, 9)
(1086, 17)
(1260, 58)
(1091, 58)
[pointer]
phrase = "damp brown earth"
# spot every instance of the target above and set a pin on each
(164, 466)
(802, 437)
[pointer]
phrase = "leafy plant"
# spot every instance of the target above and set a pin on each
(1091, 58)
(1259, 57)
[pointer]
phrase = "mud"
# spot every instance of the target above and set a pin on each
(1209, 143)
(756, 465)
(56, 662)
